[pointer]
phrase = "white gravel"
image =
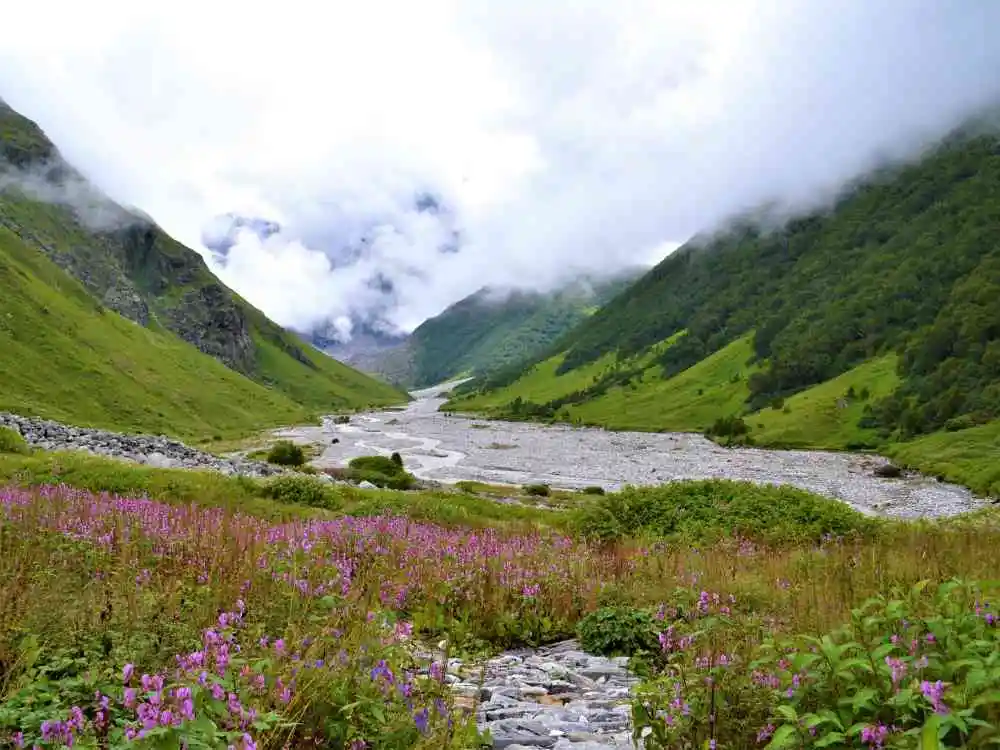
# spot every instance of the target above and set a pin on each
(453, 448)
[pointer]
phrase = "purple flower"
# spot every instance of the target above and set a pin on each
(127, 673)
(874, 735)
(934, 692)
(420, 719)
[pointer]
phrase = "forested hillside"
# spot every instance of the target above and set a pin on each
(907, 261)
(491, 330)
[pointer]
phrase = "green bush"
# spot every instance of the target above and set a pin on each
(593, 490)
(901, 672)
(618, 631)
(301, 490)
(381, 471)
(538, 490)
(12, 442)
(706, 510)
(286, 453)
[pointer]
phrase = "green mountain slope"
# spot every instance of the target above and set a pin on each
(892, 292)
(489, 331)
(107, 320)
(66, 357)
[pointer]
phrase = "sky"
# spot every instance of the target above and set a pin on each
(554, 137)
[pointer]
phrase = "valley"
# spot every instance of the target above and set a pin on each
(452, 448)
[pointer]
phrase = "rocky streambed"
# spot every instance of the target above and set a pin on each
(157, 451)
(450, 448)
(554, 697)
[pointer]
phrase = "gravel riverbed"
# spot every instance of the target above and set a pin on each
(448, 449)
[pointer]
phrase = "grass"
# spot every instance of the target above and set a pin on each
(690, 401)
(321, 383)
(246, 495)
(824, 416)
(540, 383)
(970, 456)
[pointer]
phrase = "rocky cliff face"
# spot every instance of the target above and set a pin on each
(127, 262)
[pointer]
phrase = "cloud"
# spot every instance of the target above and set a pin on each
(554, 138)
(55, 183)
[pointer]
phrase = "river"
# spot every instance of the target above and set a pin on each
(451, 448)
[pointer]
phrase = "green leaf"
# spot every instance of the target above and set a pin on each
(991, 696)
(788, 713)
(783, 737)
(830, 738)
(929, 734)
(862, 698)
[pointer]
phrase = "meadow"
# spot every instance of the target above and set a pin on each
(133, 622)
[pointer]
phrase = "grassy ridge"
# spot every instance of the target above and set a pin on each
(827, 415)
(66, 358)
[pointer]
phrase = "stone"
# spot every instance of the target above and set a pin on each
(151, 450)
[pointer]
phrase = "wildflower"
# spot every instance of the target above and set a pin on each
(765, 733)
(897, 668)
(934, 692)
(127, 673)
(875, 735)
(420, 719)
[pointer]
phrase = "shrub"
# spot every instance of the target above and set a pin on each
(901, 672)
(286, 453)
(301, 490)
(618, 631)
(538, 490)
(888, 471)
(706, 510)
(397, 459)
(593, 490)
(12, 442)
(381, 471)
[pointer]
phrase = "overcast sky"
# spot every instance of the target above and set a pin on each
(558, 136)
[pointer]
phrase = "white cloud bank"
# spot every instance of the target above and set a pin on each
(559, 136)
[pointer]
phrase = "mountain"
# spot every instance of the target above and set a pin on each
(106, 320)
(486, 332)
(869, 324)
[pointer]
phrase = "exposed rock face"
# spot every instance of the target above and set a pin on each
(209, 319)
(160, 452)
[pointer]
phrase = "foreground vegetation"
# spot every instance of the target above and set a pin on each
(226, 613)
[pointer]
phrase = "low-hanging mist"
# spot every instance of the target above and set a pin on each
(474, 144)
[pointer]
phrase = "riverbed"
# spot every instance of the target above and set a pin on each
(451, 448)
